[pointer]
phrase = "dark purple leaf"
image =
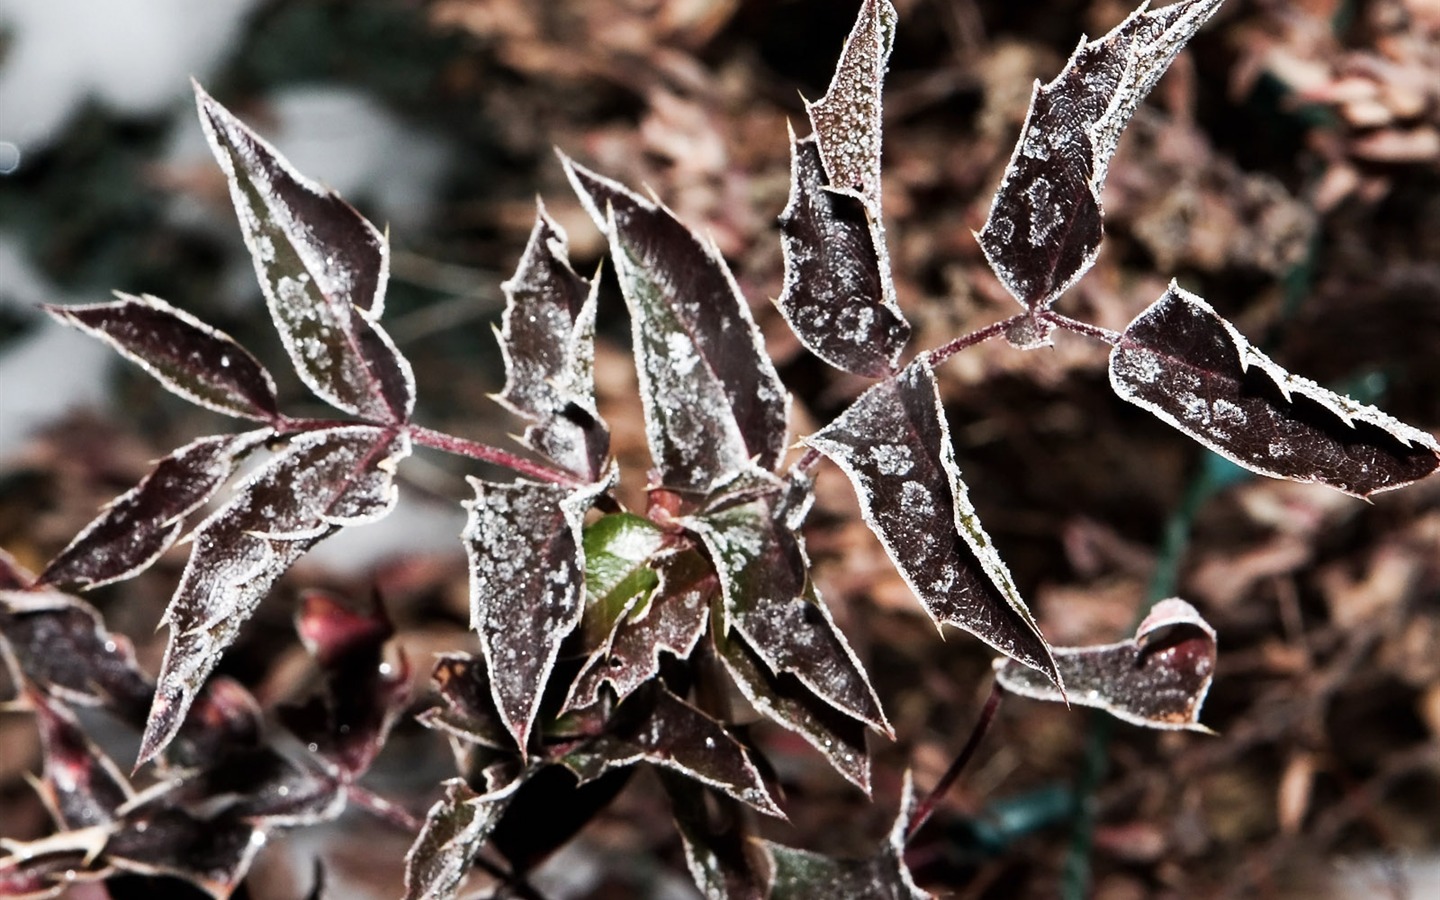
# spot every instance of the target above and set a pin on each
(847, 119)
(346, 723)
(838, 295)
(225, 718)
(670, 618)
(139, 525)
(1181, 361)
(1044, 227)
(785, 700)
(712, 398)
(527, 586)
(548, 341)
(801, 874)
(323, 269)
(469, 707)
(724, 859)
(81, 784)
(657, 727)
(455, 829)
(59, 644)
(1158, 680)
(323, 481)
(894, 444)
(211, 852)
(200, 363)
(259, 785)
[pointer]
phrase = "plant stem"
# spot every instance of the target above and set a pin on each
(922, 813)
(1103, 334)
(439, 440)
(945, 351)
(382, 809)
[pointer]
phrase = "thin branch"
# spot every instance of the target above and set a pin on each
(942, 787)
(383, 809)
(945, 351)
(439, 440)
(1095, 331)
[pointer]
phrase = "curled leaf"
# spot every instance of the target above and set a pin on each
(847, 119)
(200, 363)
(894, 444)
(548, 341)
(346, 723)
(712, 398)
(527, 586)
(323, 270)
(455, 829)
(1158, 679)
(323, 481)
(1045, 223)
(81, 785)
(1183, 362)
(139, 525)
(838, 294)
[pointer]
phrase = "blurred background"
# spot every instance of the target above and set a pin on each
(1287, 169)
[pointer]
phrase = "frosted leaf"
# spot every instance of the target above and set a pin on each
(59, 645)
(922, 514)
(769, 599)
(200, 363)
(838, 295)
(1045, 223)
(213, 852)
(801, 874)
(657, 727)
(139, 525)
(323, 270)
(784, 700)
(669, 617)
(1158, 679)
(548, 342)
(469, 710)
(527, 586)
(847, 119)
(1183, 362)
(711, 395)
(324, 480)
(455, 829)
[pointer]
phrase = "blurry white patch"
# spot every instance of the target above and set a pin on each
(134, 55)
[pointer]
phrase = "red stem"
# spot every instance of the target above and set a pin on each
(439, 440)
(942, 787)
(382, 809)
(945, 351)
(1095, 331)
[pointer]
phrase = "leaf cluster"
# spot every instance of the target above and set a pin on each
(612, 637)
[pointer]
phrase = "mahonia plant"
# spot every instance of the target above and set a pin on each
(607, 635)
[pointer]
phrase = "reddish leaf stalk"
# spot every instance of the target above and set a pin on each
(383, 809)
(927, 807)
(1095, 331)
(439, 440)
(945, 351)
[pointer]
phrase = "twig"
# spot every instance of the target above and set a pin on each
(922, 813)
